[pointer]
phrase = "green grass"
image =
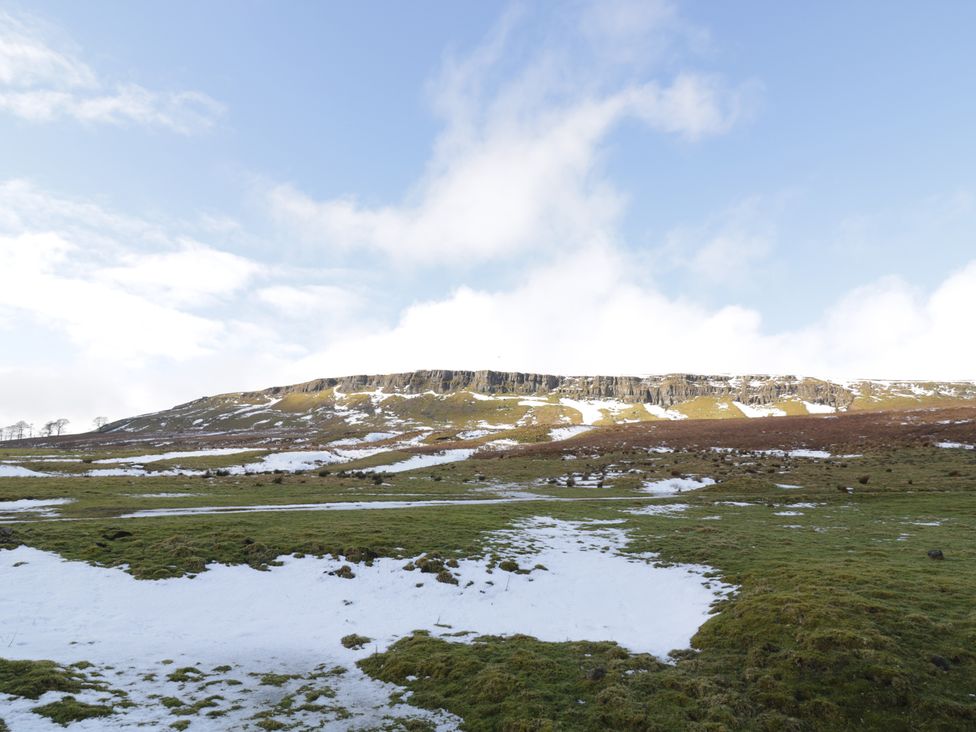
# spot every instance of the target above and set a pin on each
(67, 710)
(32, 679)
(837, 624)
(840, 621)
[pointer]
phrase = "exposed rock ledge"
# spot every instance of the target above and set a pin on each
(662, 390)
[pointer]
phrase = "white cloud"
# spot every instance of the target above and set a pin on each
(590, 315)
(41, 84)
(517, 166)
(194, 274)
(310, 300)
(25, 60)
(102, 320)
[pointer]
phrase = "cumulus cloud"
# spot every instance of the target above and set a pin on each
(193, 274)
(516, 165)
(40, 83)
(303, 301)
(101, 320)
(589, 314)
(116, 314)
(117, 287)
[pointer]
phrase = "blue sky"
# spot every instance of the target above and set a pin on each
(201, 197)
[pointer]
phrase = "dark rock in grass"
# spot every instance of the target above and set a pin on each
(940, 663)
(596, 674)
(936, 554)
(114, 534)
(863, 480)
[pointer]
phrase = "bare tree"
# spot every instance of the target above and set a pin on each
(48, 429)
(19, 430)
(60, 424)
(99, 422)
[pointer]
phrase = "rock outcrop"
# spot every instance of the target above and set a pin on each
(665, 391)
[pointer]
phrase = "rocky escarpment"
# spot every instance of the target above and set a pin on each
(665, 391)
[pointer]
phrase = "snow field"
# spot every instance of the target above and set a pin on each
(291, 619)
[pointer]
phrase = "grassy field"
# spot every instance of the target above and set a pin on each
(840, 620)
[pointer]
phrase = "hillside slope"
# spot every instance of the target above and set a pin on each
(470, 404)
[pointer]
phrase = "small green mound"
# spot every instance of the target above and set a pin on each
(68, 710)
(185, 674)
(355, 642)
(31, 679)
(276, 679)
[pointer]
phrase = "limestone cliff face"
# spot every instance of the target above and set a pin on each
(661, 390)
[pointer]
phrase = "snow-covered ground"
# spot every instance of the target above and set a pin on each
(802, 453)
(656, 410)
(181, 454)
(593, 410)
(673, 486)
(564, 433)
(424, 461)
(667, 509)
(35, 508)
(814, 408)
(291, 619)
(16, 471)
(759, 410)
(506, 496)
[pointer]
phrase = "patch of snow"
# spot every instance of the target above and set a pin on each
(371, 437)
(424, 461)
(175, 455)
(500, 444)
(16, 471)
(787, 486)
(814, 408)
(380, 436)
(163, 495)
(667, 509)
(533, 402)
(788, 513)
(801, 453)
(564, 433)
(489, 397)
(673, 486)
(754, 410)
(590, 411)
(656, 410)
(473, 434)
(955, 445)
(297, 613)
(33, 505)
